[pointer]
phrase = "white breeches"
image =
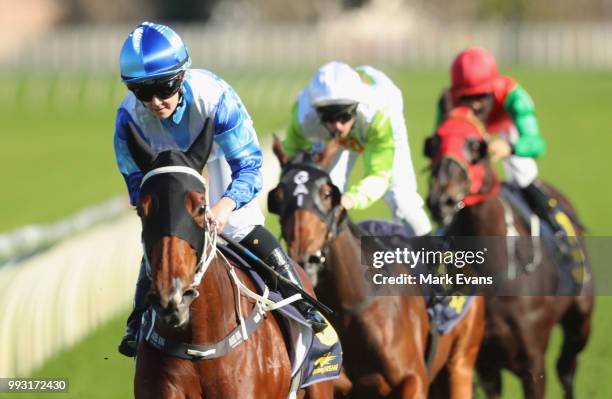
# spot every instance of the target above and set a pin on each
(521, 171)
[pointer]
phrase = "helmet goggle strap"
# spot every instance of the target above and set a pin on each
(337, 113)
(468, 99)
(162, 88)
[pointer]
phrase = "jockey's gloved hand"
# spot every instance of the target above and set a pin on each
(222, 210)
(347, 202)
(499, 149)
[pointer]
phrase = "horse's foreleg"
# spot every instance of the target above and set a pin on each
(465, 352)
(321, 390)
(576, 325)
(412, 386)
(491, 381)
(461, 375)
(342, 385)
(156, 377)
(533, 376)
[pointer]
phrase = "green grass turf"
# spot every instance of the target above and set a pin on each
(60, 158)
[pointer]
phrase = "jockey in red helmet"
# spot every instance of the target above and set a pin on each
(501, 104)
(506, 110)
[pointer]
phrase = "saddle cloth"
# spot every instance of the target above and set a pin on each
(571, 269)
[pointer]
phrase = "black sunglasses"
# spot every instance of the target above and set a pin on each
(332, 114)
(343, 117)
(162, 88)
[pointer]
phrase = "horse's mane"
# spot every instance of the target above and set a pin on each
(355, 229)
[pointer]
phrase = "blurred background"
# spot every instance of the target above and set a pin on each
(69, 244)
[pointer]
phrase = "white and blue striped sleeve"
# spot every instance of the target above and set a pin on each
(128, 168)
(235, 134)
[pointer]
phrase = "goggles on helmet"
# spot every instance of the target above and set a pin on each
(337, 113)
(161, 88)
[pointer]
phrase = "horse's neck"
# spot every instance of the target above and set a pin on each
(486, 222)
(213, 313)
(483, 219)
(344, 263)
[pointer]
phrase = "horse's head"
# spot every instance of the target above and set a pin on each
(308, 204)
(172, 208)
(460, 167)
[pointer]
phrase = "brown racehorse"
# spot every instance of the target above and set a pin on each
(518, 327)
(194, 313)
(384, 337)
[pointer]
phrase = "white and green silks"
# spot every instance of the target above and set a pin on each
(379, 133)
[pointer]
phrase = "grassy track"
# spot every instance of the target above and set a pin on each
(58, 157)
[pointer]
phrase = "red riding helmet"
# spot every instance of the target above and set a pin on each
(474, 71)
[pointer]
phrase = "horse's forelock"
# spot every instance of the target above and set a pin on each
(302, 158)
(171, 158)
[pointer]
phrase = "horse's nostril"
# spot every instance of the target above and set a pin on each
(153, 298)
(172, 305)
(313, 259)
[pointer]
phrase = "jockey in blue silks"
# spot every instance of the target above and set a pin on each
(168, 104)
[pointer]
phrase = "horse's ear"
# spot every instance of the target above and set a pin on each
(140, 150)
(330, 149)
(199, 151)
(275, 200)
(277, 149)
(431, 146)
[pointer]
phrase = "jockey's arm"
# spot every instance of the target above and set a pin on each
(295, 141)
(378, 163)
(442, 109)
(235, 134)
(127, 166)
(520, 107)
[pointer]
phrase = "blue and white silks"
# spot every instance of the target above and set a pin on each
(235, 160)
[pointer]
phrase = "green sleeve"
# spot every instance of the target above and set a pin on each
(520, 107)
(440, 112)
(295, 141)
(378, 163)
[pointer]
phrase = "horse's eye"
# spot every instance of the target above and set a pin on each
(202, 209)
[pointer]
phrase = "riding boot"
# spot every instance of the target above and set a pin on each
(284, 266)
(128, 343)
(263, 244)
(546, 208)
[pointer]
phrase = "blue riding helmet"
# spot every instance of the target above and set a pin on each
(152, 51)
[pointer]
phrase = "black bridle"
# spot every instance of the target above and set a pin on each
(299, 188)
